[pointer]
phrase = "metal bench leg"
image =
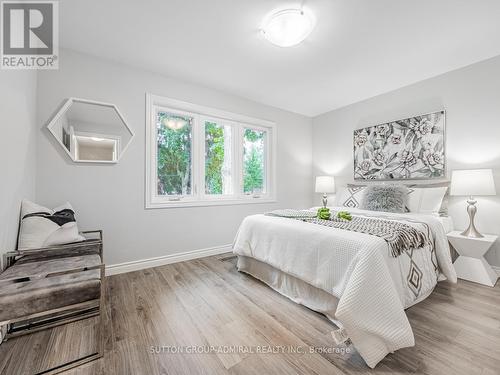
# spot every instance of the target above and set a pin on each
(100, 341)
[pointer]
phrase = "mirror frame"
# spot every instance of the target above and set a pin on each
(65, 107)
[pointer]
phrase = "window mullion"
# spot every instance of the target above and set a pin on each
(153, 167)
(198, 170)
(235, 134)
(238, 188)
(267, 163)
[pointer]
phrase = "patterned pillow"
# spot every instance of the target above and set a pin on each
(350, 196)
(43, 227)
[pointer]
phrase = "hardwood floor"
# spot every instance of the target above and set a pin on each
(206, 302)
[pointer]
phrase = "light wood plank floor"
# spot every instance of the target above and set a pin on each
(206, 302)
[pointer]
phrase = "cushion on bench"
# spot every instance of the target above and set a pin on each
(35, 295)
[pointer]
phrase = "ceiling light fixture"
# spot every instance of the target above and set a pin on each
(288, 27)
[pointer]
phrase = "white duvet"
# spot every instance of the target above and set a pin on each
(373, 287)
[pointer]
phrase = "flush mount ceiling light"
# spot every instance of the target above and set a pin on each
(288, 27)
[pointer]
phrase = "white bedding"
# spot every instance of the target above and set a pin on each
(373, 287)
(447, 223)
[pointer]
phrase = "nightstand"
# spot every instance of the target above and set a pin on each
(471, 265)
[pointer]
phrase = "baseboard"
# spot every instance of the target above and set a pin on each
(136, 265)
(496, 269)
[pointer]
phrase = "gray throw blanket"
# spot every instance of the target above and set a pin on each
(398, 235)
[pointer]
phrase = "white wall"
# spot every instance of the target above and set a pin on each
(111, 197)
(17, 149)
(471, 97)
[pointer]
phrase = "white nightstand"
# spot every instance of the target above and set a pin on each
(471, 265)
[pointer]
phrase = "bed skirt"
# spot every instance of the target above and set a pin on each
(291, 287)
(296, 289)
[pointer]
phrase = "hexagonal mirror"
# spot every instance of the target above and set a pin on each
(90, 131)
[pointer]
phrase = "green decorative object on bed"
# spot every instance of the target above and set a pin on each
(324, 213)
(345, 215)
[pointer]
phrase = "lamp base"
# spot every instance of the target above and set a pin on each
(325, 200)
(471, 230)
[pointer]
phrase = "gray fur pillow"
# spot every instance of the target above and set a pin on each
(386, 197)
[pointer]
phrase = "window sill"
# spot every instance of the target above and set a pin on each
(208, 203)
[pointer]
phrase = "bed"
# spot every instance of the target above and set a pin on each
(350, 277)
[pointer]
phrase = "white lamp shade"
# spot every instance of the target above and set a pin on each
(473, 182)
(325, 184)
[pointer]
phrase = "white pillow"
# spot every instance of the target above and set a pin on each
(350, 196)
(426, 200)
(43, 227)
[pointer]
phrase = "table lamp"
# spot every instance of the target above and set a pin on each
(472, 182)
(324, 185)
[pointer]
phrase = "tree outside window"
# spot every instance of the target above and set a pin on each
(174, 138)
(218, 179)
(253, 161)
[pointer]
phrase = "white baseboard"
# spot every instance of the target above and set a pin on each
(136, 265)
(496, 269)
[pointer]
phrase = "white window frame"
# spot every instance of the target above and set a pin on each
(201, 114)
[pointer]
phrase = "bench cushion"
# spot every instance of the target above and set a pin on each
(20, 299)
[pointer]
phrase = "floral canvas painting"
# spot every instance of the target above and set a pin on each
(412, 148)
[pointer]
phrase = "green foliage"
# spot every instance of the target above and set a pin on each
(254, 175)
(174, 157)
(344, 215)
(253, 160)
(323, 213)
(253, 135)
(214, 158)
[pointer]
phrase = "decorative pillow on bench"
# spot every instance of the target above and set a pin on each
(43, 227)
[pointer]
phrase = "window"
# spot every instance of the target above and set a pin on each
(218, 159)
(173, 161)
(254, 166)
(203, 156)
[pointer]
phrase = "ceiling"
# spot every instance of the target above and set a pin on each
(359, 48)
